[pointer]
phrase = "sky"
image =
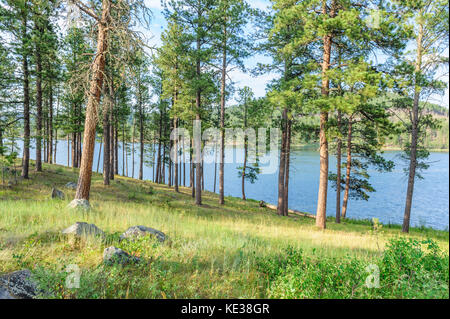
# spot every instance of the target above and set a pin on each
(258, 83)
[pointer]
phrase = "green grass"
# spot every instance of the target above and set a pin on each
(213, 251)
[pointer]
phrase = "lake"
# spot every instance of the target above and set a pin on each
(430, 202)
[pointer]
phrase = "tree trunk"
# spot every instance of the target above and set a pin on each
(281, 171)
(338, 169)
(175, 146)
(123, 149)
(26, 106)
(198, 164)
(132, 145)
(321, 213)
(222, 121)
(288, 160)
(50, 125)
(107, 142)
(99, 153)
(111, 142)
(38, 109)
(414, 135)
(98, 67)
(349, 167)
(116, 148)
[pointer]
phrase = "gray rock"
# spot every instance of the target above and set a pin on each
(71, 185)
(17, 285)
(112, 255)
(140, 231)
(56, 193)
(81, 229)
(80, 204)
(4, 294)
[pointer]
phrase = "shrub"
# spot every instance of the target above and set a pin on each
(407, 269)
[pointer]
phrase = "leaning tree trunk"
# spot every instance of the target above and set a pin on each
(349, 167)
(414, 136)
(84, 180)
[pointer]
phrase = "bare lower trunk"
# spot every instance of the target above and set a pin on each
(99, 154)
(38, 110)
(106, 148)
(338, 169)
(111, 144)
(222, 123)
(26, 114)
(50, 125)
(288, 160)
(414, 135)
(116, 148)
(282, 169)
(349, 168)
(84, 180)
(321, 213)
(175, 146)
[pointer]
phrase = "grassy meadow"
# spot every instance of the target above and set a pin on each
(236, 251)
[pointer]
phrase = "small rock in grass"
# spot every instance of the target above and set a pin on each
(80, 204)
(140, 231)
(56, 193)
(17, 285)
(82, 229)
(112, 255)
(71, 185)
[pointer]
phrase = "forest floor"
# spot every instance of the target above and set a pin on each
(238, 250)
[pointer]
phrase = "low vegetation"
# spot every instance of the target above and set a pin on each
(234, 251)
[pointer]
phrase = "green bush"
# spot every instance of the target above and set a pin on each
(407, 269)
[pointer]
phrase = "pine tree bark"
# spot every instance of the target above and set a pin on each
(84, 180)
(111, 142)
(414, 133)
(288, 162)
(349, 167)
(338, 169)
(106, 141)
(50, 125)
(282, 168)
(38, 108)
(222, 120)
(175, 146)
(321, 213)
(26, 100)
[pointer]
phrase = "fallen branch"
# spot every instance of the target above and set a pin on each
(292, 211)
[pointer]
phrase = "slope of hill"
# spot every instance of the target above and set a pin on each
(239, 250)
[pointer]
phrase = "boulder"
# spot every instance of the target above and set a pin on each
(82, 229)
(140, 231)
(56, 193)
(80, 204)
(17, 285)
(112, 255)
(71, 185)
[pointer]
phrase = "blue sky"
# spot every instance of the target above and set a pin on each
(258, 84)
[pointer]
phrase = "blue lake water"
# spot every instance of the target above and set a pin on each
(430, 201)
